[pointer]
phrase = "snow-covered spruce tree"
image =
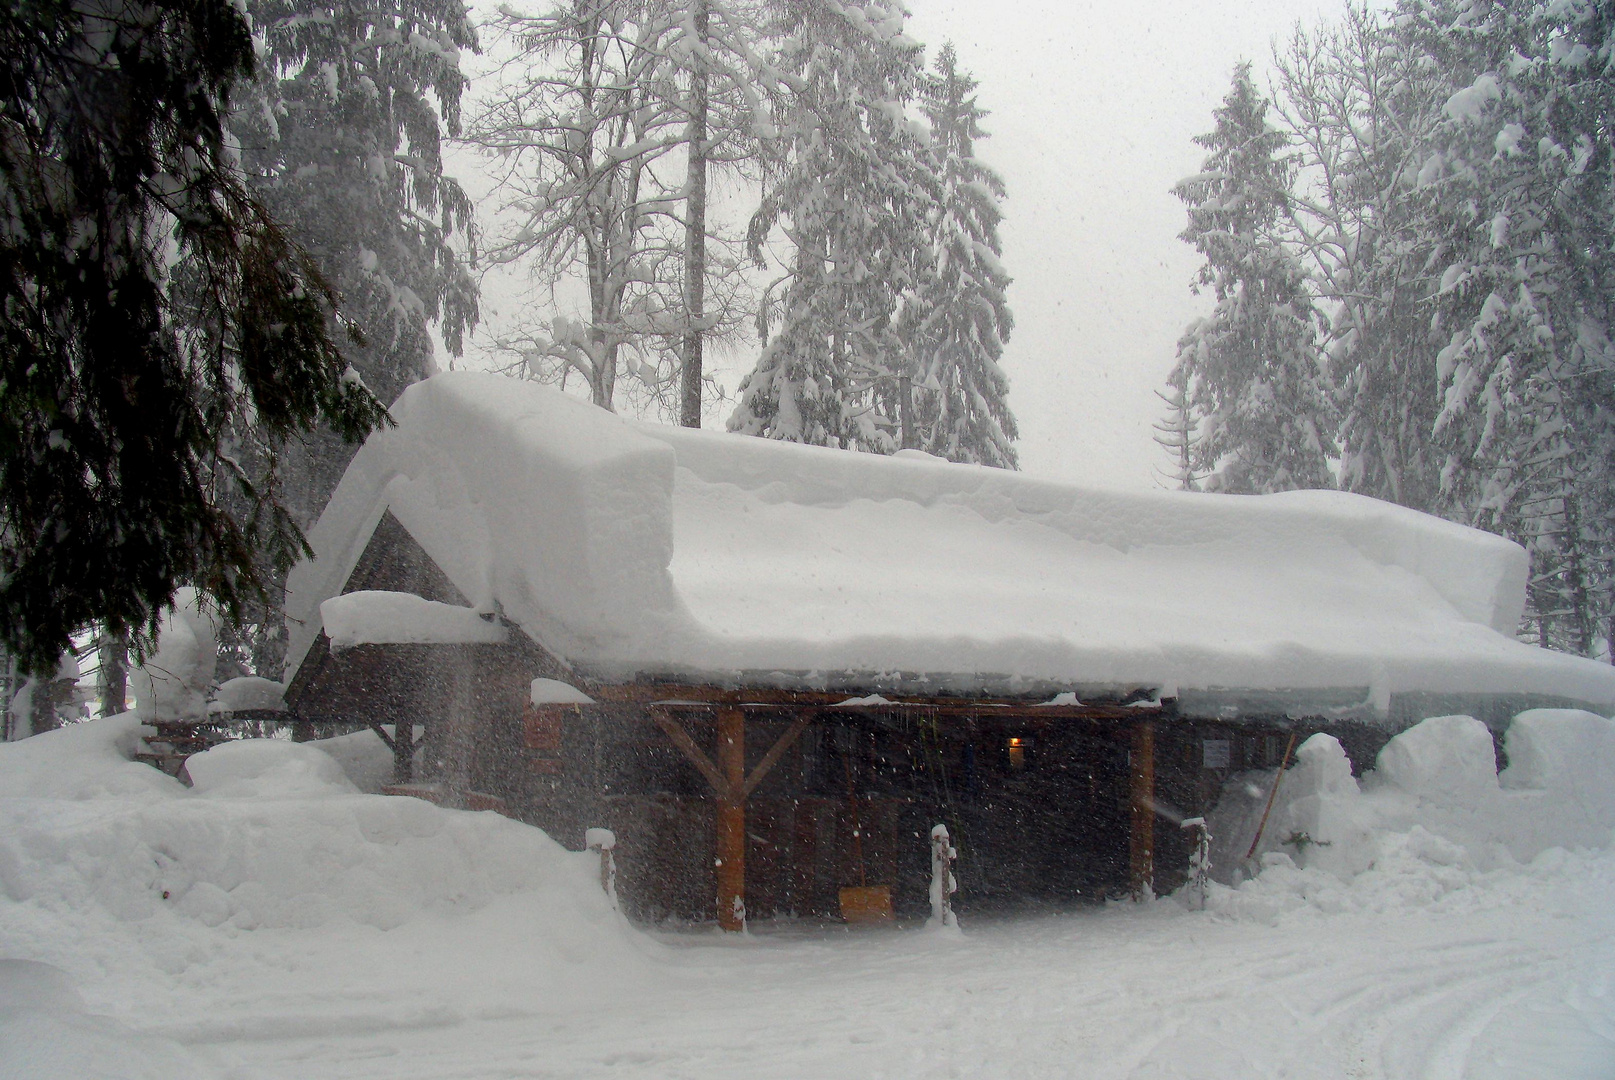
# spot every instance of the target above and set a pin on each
(956, 320)
(855, 199)
(1518, 178)
(343, 145)
(118, 380)
(1570, 126)
(1252, 369)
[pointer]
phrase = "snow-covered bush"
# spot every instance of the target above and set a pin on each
(173, 682)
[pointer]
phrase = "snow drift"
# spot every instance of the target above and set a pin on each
(48, 1034)
(626, 548)
(1433, 817)
(126, 879)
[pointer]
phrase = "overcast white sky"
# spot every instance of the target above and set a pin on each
(1093, 105)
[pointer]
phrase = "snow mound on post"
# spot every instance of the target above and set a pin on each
(555, 692)
(1432, 820)
(173, 682)
(124, 877)
(248, 693)
(1565, 760)
(366, 761)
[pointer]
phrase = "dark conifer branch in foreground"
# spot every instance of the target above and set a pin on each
(121, 371)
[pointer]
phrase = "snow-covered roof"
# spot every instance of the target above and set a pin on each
(627, 548)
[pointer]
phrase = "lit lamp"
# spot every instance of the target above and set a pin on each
(1017, 751)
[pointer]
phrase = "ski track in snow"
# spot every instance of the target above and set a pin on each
(1517, 989)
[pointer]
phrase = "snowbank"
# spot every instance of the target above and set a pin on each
(625, 547)
(46, 1034)
(366, 761)
(373, 617)
(125, 878)
(1432, 818)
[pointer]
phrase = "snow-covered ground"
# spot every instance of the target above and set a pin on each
(275, 922)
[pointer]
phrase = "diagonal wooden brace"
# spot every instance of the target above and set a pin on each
(704, 765)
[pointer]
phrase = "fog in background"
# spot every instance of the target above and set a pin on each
(1093, 109)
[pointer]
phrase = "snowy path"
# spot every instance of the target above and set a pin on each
(1506, 984)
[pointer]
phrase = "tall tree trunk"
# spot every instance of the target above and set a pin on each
(695, 229)
(905, 413)
(114, 677)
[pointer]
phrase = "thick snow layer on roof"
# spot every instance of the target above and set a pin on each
(373, 617)
(626, 547)
(248, 693)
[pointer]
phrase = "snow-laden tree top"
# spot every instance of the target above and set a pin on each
(628, 548)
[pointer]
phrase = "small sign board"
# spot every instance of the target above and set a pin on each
(1214, 753)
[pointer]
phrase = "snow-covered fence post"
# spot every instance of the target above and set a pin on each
(1199, 859)
(604, 841)
(943, 883)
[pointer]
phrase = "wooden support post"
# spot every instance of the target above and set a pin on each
(731, 846)
(403, 748)
(403, 752)
(459, 730)
(1142, 878)
(732, 786)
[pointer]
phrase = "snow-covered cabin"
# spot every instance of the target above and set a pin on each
(879, 640)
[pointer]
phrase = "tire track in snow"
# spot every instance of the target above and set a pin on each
(1111, 995)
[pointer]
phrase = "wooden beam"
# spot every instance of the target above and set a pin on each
(731, 839)
(684, 695)
(682, 740)
(1142, 845)
(775, 752)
